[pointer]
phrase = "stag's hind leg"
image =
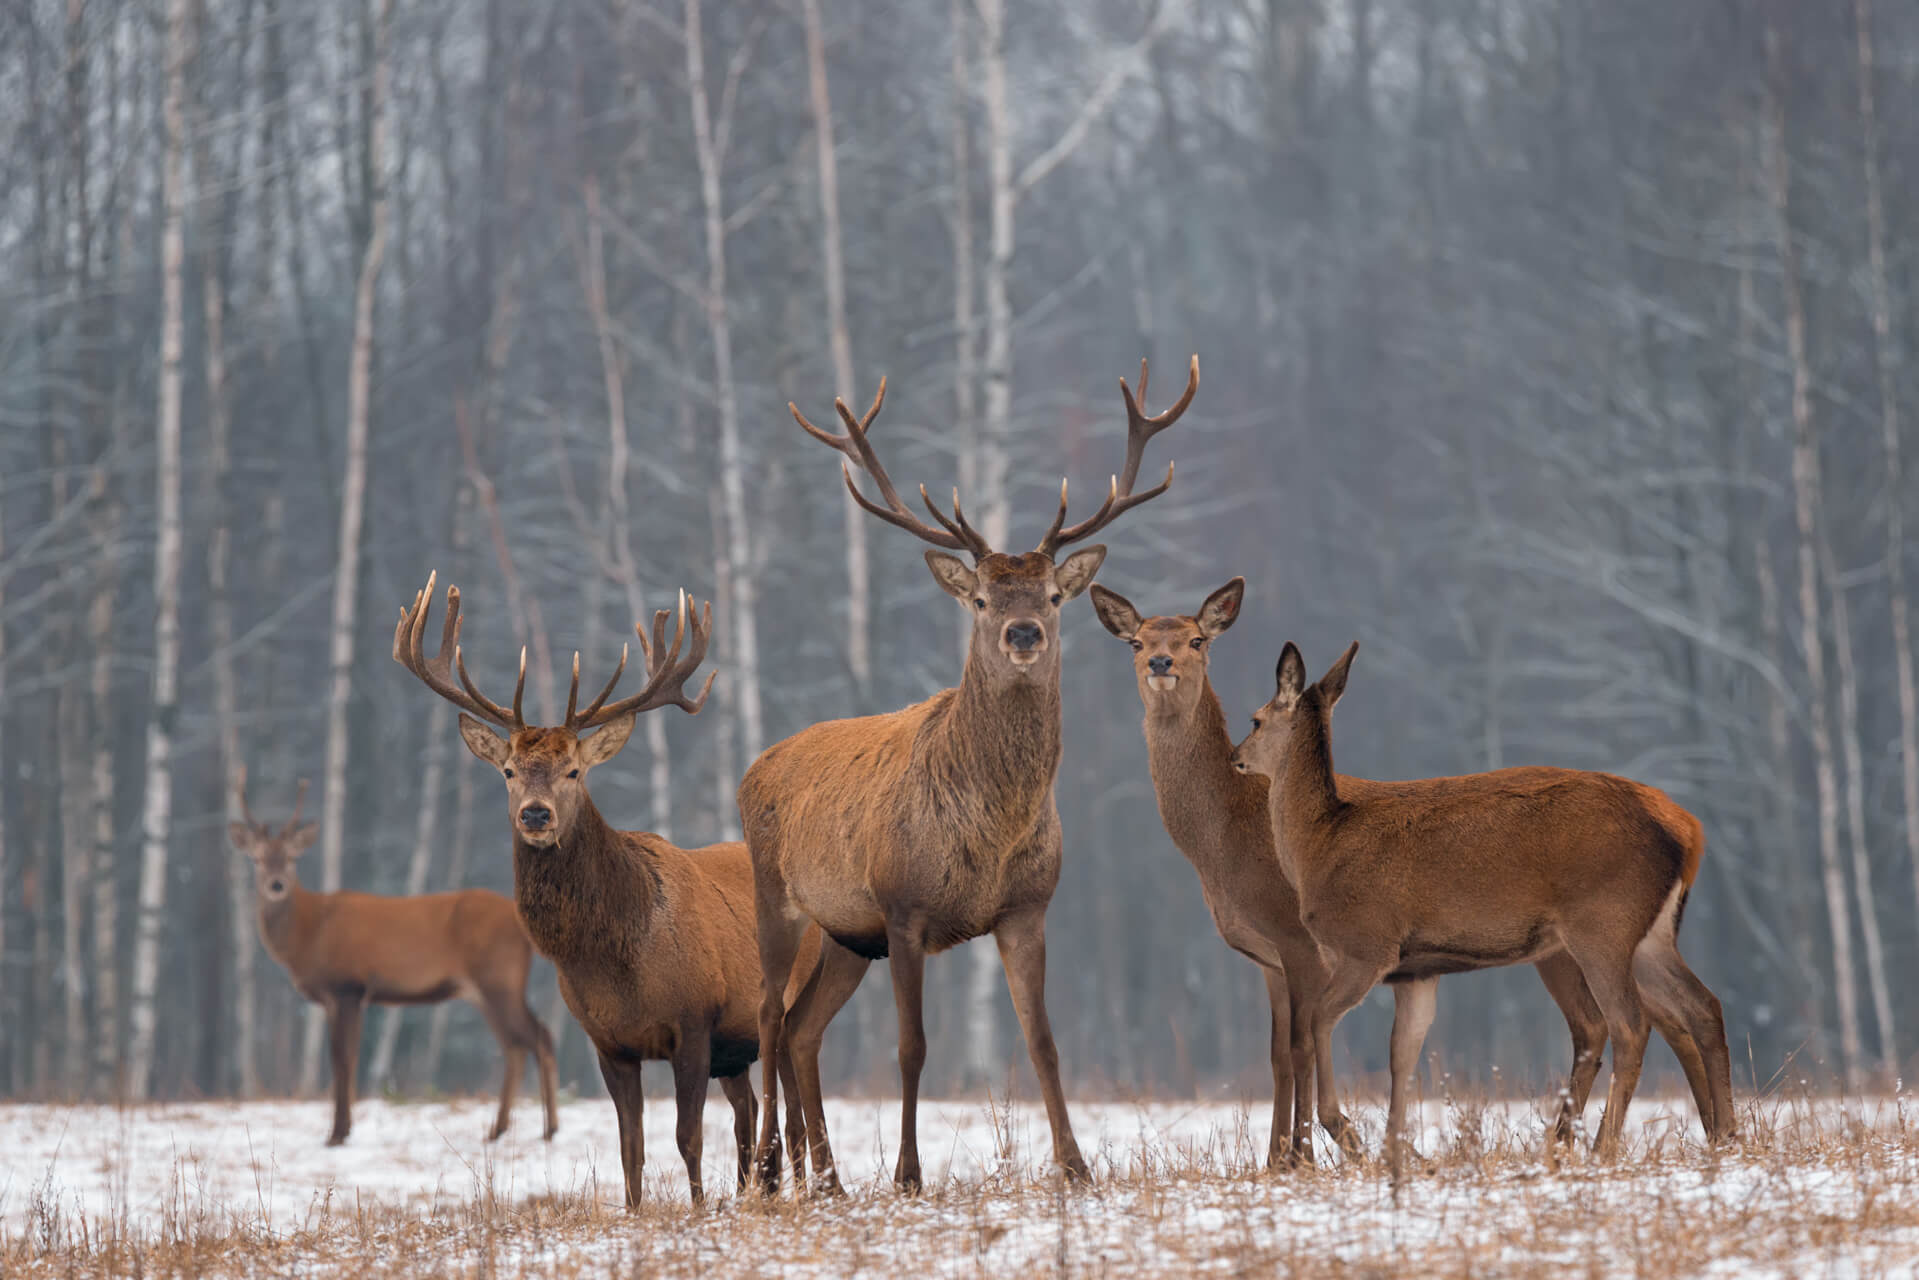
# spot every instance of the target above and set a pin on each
(513, 1046)
(739, 1091)
(1609, 977)
(1284, 1142)
(833, 983)
(1690, 1018)
(1587, 1023)
(779, 938)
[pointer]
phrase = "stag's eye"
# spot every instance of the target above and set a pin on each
(1057, 597)
(507, 772)
(1137, 646)
(1255, 722)
(1199, 642)
(979, 602)
(572, 773)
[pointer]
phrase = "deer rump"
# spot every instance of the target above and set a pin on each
(1485, 867)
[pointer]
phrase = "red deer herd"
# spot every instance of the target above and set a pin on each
(898, 836)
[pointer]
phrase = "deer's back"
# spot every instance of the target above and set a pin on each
(416, 949)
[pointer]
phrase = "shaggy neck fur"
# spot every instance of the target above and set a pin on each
(578, 895)
(1210, 809)
(991, 750)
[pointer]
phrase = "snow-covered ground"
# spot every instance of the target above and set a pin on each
(1820, 1189)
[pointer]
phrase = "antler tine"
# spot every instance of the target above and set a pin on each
(409, 650)
(1120, 497)
(240, 789)
(299, 803)
(858, 449)
(575, 721)
(958, 525)
(669, 666)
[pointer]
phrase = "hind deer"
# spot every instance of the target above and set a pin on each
(1218, 818)
(1407, 882)
(347, 950)
(905, 834)
(653, 943)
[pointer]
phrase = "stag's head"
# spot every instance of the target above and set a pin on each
(272, 850)
(1170, 652)
(545, 767)
(1264, 751)
(1014, 599)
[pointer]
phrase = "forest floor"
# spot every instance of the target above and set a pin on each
(1816, 1188)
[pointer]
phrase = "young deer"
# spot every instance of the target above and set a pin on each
(908, 833)
(347, 950)
(1409, 882)
(653, 943)
(1218, 817)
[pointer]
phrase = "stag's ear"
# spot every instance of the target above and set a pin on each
(1221, 609)
(483, 742)
(1333, 683)
(1116, 612)
(1075, 572)
(300, 839)
(955, 579)
(1290, 676)
(600, 747)
(242, 837)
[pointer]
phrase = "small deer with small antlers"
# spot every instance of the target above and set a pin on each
(347, 950)
(908, 833)
(653, 943)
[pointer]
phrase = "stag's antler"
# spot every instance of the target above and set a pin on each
(667, 672)
(1120, 497)
(954, 533)
(410, 652)
(246, 810)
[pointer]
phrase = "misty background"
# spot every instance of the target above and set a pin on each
(1557, 350)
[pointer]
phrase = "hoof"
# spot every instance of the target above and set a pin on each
(1077, 1174)
(550, 1131)
(495, 1135)
(907, 1180)
(336, 1140)
(826, 1186)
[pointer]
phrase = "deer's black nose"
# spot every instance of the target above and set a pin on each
(534, 817)
(1024, 635)
(1160, 664)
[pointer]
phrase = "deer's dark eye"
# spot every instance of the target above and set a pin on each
(1056, 597)
(979, 602)
(1255, 722)
(506, 772)
(572, 773)
(1137, 646)
(1199, 642)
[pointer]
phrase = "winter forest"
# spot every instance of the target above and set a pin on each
(1559, 351)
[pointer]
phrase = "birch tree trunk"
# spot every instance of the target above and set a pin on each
(859, 656)
(157, 820)
(1806, 485)
(710, 150)
(346, 577)
(104, 892)
(455, 875)
(965, 284)
(426, 831)
(1880, 294)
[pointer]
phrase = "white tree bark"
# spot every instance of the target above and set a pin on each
(1806, 483)
(709, 144)
(157, 821)
(859, 654)
(346, 576)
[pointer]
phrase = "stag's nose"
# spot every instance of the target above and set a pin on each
(534, 817)
(1160, 664)
(1025, 634)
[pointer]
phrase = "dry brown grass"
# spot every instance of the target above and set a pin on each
(1815, 1188)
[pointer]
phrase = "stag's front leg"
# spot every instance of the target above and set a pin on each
(692, 1062)
(343, 1035)
(909, 971)
(1022, 951)
(629, 1108)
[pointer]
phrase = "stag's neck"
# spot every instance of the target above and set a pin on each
(579, 896)
(1211, 810)
(289, 926)
(998, 741)
(1305, 796)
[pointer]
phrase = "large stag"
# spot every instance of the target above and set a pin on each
(347, 950)
(653, 943)
(1409, 882)
(908, 833)
(1218, 818)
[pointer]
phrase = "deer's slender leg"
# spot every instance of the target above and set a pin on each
(739, 1092)
(1689, 1017)
(826, 993)
(1413, 1006)
(513, 1047)
(1567, 986)
(1609, 976)
(1347, 985)
(343, 1035)
(1022, 950)
(543, 1061)
(629, 1104)
(795, 1121)
(1281, 1142)
(692, 1063)
(779, 944)
(909, 971)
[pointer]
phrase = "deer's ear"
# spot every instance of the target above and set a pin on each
(1333, 683)
(300, 839)
(242, 837)
(1221, 609)
(1075, 572)
(600, 747)
(483, 742)
(955, 579)
(1290, 677)
(1116, 612)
